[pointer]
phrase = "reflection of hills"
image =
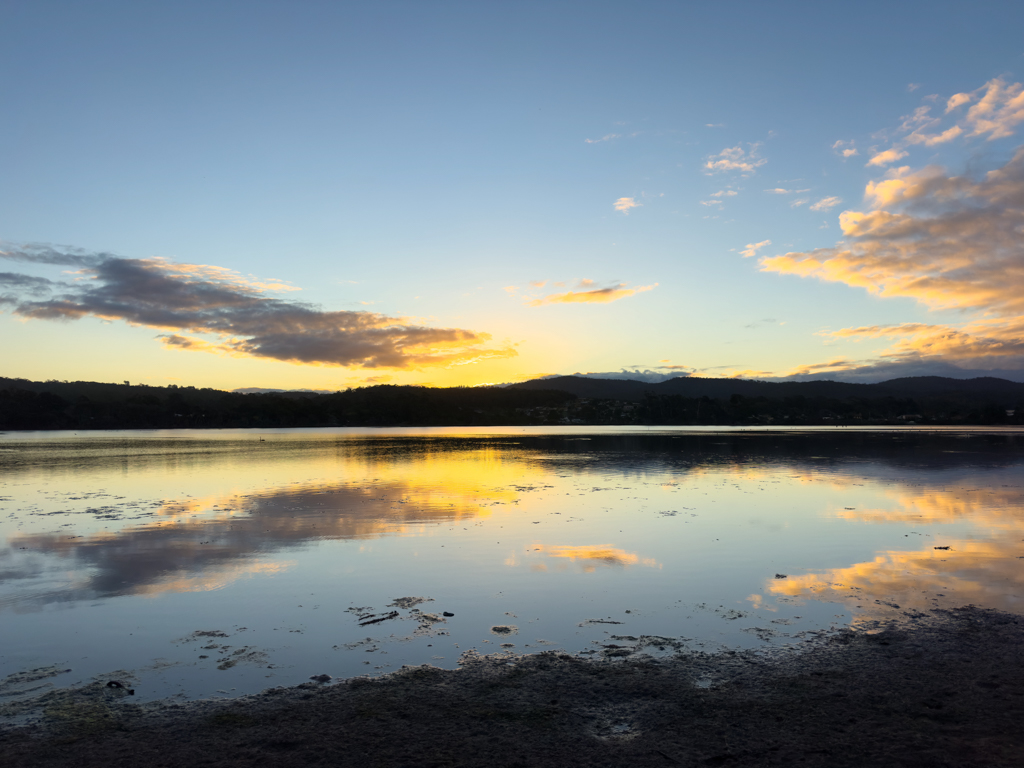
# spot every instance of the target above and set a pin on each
(153, 452)
(189, 551)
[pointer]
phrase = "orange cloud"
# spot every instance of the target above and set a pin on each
(735, 159)
(825, 203)
(947, 242)
(625, 203)
(845, 148)
(886, 157)
(997, 108)
(597, 296)
(751, 249)
(998, 111)
(974, 342)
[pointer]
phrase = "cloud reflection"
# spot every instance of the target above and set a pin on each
(982, 573)
(187, 550)
(589, 557)
(982, 569)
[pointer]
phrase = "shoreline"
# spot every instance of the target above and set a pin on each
(939, 689)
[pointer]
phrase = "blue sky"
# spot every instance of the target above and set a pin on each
(374, 188)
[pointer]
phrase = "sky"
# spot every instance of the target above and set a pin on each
(321, 195)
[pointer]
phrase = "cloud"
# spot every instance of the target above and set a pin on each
(798, 203)
(608, 137)
(957, 100)
(825, 203)
(751, 249)
(725, 193)
(191, 301)
(710, 202)
(18, 284)
(782, 191)
(948, 243)
(845, 148)
(596, 296)
(625, 203)
(931, 140)
(997, 110)
(538, 283)
(886, 157)
(911, 87)
(735, 159)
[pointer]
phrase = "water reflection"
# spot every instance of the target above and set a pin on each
(982, 568)
(203, 544)
(249, 515)
(588, 558)
(982, 573)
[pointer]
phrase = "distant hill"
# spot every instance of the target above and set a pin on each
(569, 400)
(719, 389)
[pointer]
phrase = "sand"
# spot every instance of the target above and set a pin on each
(942, 689)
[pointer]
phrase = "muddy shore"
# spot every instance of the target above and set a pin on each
(943, 689)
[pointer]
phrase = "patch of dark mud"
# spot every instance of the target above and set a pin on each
(943, 689)
(409, 602)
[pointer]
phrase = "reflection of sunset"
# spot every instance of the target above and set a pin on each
(988, 507)
(201, 544)
(983, 573)
(211, 580)
(982, 570)
(592, 556)
(243, 508)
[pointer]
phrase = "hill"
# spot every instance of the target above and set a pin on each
(724, 389)
(30, 405)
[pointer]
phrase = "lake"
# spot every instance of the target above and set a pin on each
(218, 563)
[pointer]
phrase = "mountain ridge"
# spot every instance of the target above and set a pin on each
(694, 386)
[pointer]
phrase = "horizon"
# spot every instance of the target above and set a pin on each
(316, 198)
(593, 377)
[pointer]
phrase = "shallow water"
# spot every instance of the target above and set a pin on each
(220, 563)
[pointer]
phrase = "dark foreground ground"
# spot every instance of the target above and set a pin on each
(942, 690)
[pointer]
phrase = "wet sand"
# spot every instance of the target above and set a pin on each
(938, 689)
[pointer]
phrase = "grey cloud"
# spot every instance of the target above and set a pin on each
(213, 301)
(39, 253)
(12, 284)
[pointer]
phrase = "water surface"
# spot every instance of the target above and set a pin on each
(218, 563)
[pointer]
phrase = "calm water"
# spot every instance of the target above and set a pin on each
(218, 564)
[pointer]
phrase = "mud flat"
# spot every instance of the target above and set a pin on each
(938, 689)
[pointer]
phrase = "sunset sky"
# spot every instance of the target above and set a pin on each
(326, 194)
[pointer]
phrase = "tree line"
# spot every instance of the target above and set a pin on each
(27, 405)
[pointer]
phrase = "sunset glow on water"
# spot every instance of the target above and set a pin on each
(217, 562)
